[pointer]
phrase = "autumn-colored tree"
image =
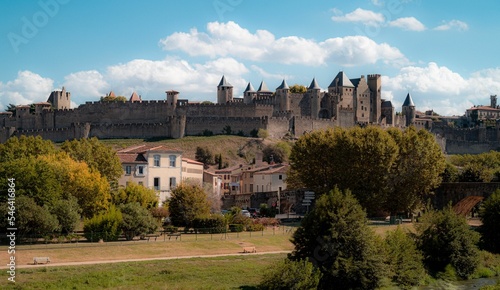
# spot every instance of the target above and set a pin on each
(299, 89)
(187, 203)
(121, 99)
(16, 148)
(134, 192)
(97, 155)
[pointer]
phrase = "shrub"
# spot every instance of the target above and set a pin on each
(105, 226)
(490, 216)
(404, 259)
(236, 228)
(136, 220)
(171, 229)
(211, 224)
(267, 222)
(445, 239)
(291, 275)
(255, 227)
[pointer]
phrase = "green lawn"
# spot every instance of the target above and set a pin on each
(241, 272)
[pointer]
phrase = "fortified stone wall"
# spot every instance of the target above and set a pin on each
(279, 127)
(226, 110)
(131, 130)
(346, 118)
(470, 147)
(303, 125)
(197, 125)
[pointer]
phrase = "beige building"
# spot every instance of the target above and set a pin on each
(271, 179)
(192, 171)
(153, 166)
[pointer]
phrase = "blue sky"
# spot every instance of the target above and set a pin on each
(445, 53)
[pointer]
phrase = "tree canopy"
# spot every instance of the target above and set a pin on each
(490, 229)
(335, 237)
(187, 203)
(385, 170)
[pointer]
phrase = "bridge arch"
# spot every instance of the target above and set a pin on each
(463, 196)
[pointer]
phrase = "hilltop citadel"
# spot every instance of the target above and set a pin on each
(345, 103)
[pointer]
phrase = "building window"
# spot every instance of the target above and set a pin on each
(140, 170)
(156, 183)
(172, 160)
(172, 182)
(156, 160)
(280, 177)
(251, 188)
(128, 170)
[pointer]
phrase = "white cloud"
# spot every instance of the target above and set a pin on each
(366, 17)
(229, 39)
(27, 88)
(361, 50)
(408, 23)
(453, 24)
(268, 75)
(378, 2)
(439, 88)
(90, 84)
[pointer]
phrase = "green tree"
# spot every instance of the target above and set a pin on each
(336, 238)
(121, 99)
(262, 133)
(187, 203)
(97, 155)
(359, 159)
(490, 229)
(105, 226)
(291, 275)
(404, 259)
(205, 156)
(417, 169)
(450, 173)
(16, 148)
(279, 152)
(136, 220)
(134, 192)
(446, 239)
(67, 211)
(31, 219)
(299, 89)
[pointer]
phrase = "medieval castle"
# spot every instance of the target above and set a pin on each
(347, 102)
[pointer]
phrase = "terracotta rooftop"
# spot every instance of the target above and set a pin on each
(484, 108)
(148, 148)
(131, 158)
(280, 169)
(191, 161)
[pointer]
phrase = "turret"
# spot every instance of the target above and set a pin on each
(342, 87)
(375, 86)
(60, 99)
(224, 91)
(408, 110)
(172, 97)
(263, 90)
(314, 93)
(493, 99)
(283, 96)
(249, 94)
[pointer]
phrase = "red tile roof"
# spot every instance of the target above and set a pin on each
(131, 158)
(149, 148)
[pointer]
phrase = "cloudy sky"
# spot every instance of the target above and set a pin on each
(445, 53)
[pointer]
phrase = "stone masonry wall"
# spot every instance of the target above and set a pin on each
(197, 125)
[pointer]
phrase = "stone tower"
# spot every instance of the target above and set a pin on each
(493, 99)
(60, 99)
(224, 91)
(249, 94)
(172, 97)
(314, 93)
(375, 86)
(283, 96)
(409, 110)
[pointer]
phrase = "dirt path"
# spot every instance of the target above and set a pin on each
(139, 260)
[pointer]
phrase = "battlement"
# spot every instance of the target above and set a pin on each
(373, 76)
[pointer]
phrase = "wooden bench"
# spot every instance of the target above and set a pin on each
(41, 260)
(249, 250)
(176, 235)
(155, 236)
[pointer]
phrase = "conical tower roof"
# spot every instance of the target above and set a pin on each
(224, 83)
(408, 101)
(249, 88)
(283, 85)
(134, 97)
(111, 94)
(341, 80)
(314, 85)
(263, 87)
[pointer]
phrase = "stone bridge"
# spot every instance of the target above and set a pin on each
(463, 196)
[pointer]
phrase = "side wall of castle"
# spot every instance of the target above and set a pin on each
(304, 125)
(198, 125)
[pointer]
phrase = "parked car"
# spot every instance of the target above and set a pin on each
(246, 213)
(254, 212)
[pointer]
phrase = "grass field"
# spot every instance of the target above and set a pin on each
(242, 272)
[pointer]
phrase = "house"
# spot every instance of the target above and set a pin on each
(271, 179)
(153, 166)
(192, 171)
